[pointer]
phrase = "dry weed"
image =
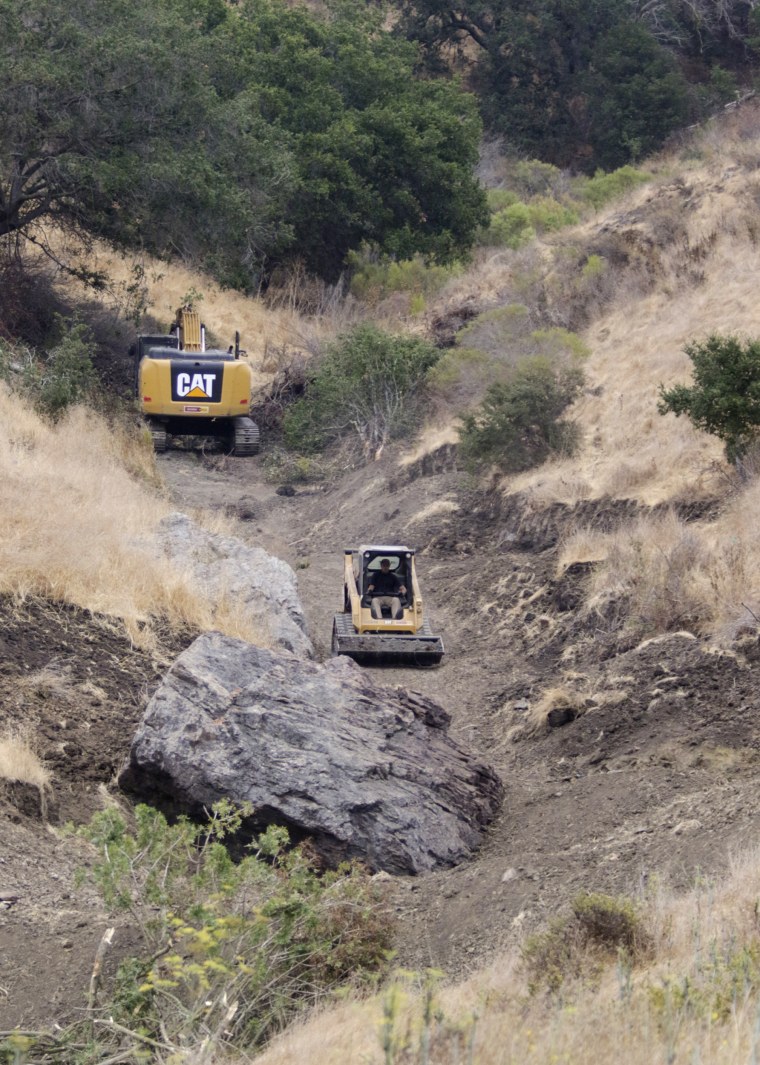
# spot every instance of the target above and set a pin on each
(661, 574)
(20, 764)
(562, 699)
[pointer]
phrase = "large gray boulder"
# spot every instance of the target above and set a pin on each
(366, 771)
(264, 587)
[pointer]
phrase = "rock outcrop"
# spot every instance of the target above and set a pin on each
(264, 587)
(365, 771)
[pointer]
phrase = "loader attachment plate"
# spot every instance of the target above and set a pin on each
(420, 649)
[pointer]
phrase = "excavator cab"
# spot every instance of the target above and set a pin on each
(407, 638)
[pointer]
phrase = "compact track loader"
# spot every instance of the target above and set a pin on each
(406, 639)
(183, 388)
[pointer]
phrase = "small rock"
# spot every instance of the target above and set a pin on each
(510, 874)
(685, 827)
(561, 715)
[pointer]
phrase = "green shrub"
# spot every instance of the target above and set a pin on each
(594, 267)
(498, 331)
(511, 227)
(374, 280)
(531, 177)
(556, 342)
(609, 922)
(488, 349)
(463, 374)
(725, 397)
(498, 199)
(519, 423)
(602, 188)
(66, 376)
(571, 944)
(547, 214)
(516, 224)
(230, 950)
(366, 388)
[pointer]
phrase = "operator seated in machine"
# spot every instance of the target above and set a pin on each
(385, 589)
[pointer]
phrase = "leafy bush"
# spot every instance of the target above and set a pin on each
(374, 281)
(596, 922)
(512, 227)
(519, 423)
(725, 397)
(594, 267)
(531, 177)
(462, 374)
(231, 949)
(556, 342)
(498, 199)
(366, 387)
(517, 223)
(500, 331)
(602, 188)
(66, 376)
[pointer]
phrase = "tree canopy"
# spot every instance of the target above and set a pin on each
(581, 83)
(237, 136)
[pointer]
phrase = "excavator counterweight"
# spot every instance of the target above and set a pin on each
(184, 388)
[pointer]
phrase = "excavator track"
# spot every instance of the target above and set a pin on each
(158, 435)
(246, 437)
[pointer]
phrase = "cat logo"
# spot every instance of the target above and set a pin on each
(200, 383)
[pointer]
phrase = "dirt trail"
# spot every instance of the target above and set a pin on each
(658, 774)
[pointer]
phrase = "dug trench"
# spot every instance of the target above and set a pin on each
(654, 769)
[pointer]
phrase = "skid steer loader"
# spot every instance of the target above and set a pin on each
(358, 633)
(184, 388)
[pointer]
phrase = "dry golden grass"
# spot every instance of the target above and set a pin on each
(693, 996)
(694, 243)
(223, 310)
(440, 508)
(20, 763)
(671, 575)
(77, 524)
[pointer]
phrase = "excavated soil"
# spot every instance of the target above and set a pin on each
(653, 767)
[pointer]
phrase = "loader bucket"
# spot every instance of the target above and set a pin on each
(368, 648)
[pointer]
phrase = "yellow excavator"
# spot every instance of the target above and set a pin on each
(185, 388)
(374, 635)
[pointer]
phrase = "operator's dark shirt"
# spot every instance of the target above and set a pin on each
(384, 583)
